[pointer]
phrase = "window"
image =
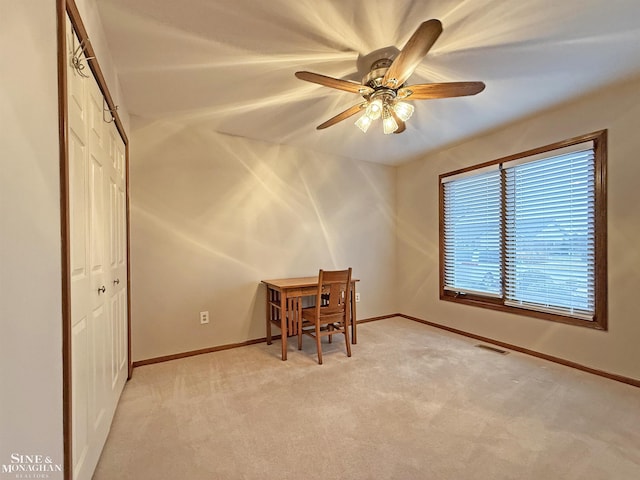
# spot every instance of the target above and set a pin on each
(527, 233)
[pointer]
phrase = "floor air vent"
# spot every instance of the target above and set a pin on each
(493, 349)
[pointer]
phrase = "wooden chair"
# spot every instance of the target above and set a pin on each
(331, 313)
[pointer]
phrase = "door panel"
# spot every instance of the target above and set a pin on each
(122, 335)
(96, 193)
(114, 326)
(80, 399)
(122, 221)
(96, 115)
(113, 224)
(97, 378)
(78, 213)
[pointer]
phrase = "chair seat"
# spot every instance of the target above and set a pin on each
(309, 314)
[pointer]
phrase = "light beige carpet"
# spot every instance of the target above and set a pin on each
(413, 402)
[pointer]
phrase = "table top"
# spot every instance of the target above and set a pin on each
(296, 282)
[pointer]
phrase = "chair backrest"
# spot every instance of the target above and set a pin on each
(334, 291)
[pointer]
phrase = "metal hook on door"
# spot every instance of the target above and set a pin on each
(105, 108)
(76, 57)
(102, 289)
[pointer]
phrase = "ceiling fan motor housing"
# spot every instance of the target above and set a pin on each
(376, 73)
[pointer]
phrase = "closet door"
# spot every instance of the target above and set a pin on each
(117, 261)
(80, 272)
(97, 220)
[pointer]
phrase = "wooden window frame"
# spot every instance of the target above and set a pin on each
(599, 321)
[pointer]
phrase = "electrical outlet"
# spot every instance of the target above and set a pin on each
(357, 297)
(204, 317)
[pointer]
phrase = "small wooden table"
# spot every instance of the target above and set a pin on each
(285, 295)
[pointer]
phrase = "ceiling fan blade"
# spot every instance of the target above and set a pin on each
(440, 90)
(342, 116)
(402, 126)
(346, 85)
(412, 53)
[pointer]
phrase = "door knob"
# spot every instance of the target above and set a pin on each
(116, 281)
(102, 289)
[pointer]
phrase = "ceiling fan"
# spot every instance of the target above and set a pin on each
(384, 89)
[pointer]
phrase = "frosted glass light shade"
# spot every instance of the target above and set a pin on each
(404, 110)
(389, 124)
(374, 109)
(364, 122)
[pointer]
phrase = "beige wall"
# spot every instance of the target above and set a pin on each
(212, 215)
(30, 259)
(615, 351)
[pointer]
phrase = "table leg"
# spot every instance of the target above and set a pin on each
(354, 338)
(283, 323)
(268, 316)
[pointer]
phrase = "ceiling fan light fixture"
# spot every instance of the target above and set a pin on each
(389, 124)
(374, 109)
(364, 122)
(404, 110)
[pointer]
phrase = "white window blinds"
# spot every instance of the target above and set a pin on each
(550, 236)
(472, 234)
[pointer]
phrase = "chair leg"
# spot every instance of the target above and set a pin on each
(330, 328)
(319, 342)
(300, 335)
(346, 338)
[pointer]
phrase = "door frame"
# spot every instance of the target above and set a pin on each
(64, 8)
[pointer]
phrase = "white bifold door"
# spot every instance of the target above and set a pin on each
(97, 221)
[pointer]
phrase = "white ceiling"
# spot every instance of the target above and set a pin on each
(229, 65)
